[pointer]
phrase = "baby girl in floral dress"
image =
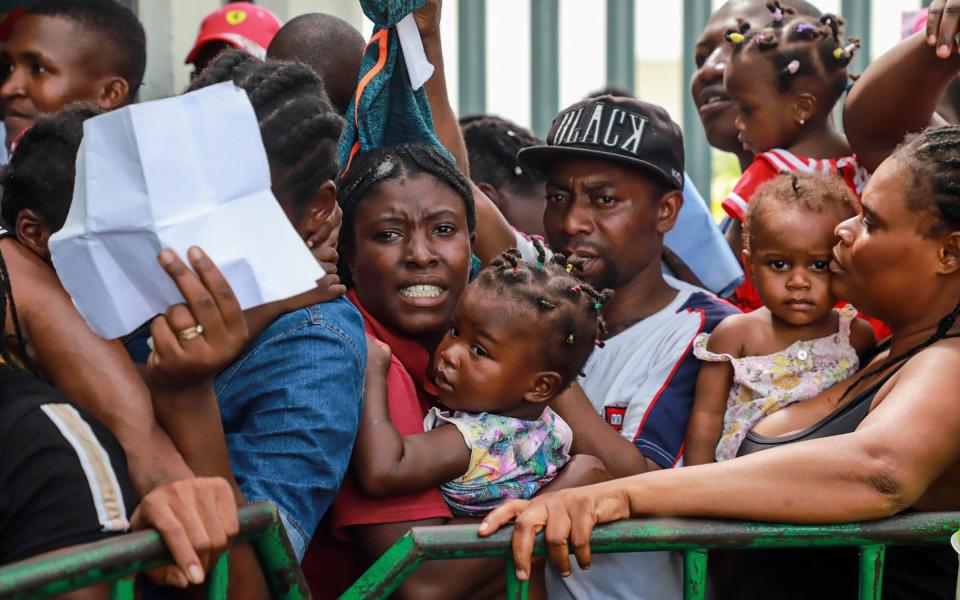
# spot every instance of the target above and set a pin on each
(520, 335)
(798, 344)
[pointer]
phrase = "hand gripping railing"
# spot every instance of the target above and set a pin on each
(117, 560)
(691, 537)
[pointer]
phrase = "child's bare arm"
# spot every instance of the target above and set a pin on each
(581, 470)
(386, 464)
(861, 337)
(710, 401)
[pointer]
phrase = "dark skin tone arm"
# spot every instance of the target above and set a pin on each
(898, 94)
(181, 375)
(710, 402)
(386, 464)
(494, 234)
(886, 466)
(591, 435)
(95, 373)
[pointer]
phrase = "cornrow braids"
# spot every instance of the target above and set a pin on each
(568, 307)
(371, 168)
(299, 126)
(492, 144)
(933, 159)
(816, 192)
(800, 47)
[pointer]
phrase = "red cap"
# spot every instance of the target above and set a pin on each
(242, 25)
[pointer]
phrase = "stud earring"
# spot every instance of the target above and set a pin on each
(802, 121)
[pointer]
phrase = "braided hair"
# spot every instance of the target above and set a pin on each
(299, 126)
(374, 167)
(800, 46)
(816, 192)
(492, 144)
(932, 157)
(568, 308)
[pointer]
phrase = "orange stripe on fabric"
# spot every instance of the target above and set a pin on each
(353, 152)
(381, 37)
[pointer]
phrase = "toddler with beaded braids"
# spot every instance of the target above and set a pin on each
(520, 335)
(785, 80)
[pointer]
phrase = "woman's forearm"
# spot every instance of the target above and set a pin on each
(896, 95)
(824, 481)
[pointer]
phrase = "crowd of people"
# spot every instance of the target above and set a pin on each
(509, 328)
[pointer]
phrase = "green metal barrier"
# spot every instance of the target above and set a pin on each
(692, 537)
(117, 560)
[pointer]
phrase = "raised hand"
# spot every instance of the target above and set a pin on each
(192, 342)
(943, 25)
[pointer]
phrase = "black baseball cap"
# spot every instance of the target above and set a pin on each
(615, 128)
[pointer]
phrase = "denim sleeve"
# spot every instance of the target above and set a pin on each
(291, 407)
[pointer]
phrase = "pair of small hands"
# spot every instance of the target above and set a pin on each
(943, 25)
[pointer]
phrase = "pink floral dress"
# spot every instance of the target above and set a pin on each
(763, 385)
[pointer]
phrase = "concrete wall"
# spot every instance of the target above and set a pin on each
(172, 26)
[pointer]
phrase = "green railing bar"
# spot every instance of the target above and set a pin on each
(122, 589)
(857, 15)
(279, 566)
(694, 574)
(82, 566)
(218, 580)
(544, 64)
(472, 57)
(871, 571)
(461, 541)
(698, 161)
(620, 50)
(388, 572)
(516, 589)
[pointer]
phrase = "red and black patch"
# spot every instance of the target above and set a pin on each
(613, 415)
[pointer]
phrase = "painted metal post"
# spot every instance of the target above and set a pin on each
(516, 589)
(218, 580)
(871, 571)
(620, 50)
(696, 150)
(472, 61)
(123, 589)
(857, 15)
(544, 63)
(694, 574)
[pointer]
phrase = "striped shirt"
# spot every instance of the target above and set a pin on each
(766, 165)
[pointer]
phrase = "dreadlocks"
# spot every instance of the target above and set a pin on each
(567, 307)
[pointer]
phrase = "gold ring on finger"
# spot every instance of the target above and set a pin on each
(190, 332)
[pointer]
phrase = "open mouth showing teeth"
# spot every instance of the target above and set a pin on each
(421, 291)
(714, 100)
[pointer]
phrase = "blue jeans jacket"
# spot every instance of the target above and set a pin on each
(291, 406)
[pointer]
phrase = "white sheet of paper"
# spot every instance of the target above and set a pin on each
(418, 67)
(173, 173)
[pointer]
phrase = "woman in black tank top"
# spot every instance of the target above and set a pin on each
(894, 446)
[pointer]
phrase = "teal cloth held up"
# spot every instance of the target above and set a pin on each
(390, 113)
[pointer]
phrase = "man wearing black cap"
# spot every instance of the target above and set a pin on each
(614, 169)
